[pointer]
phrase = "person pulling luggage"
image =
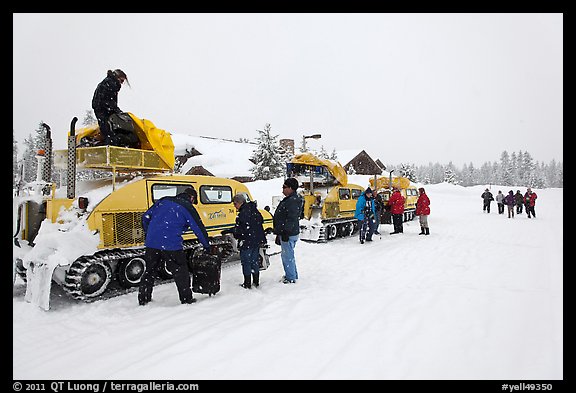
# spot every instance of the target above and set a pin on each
(164, 223)
(249, 232)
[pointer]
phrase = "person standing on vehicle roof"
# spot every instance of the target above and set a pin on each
(105, 101)
(164, 223)
(286, 223)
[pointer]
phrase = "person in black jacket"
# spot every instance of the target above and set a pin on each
(286, 223)
(379, 205)
(487, 197)
(250, 235)
(105, 102)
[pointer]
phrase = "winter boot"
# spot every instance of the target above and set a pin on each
(427, 231)
(256, 279)
(246, 283)
(422, 231)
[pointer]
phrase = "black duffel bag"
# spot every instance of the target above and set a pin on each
(123, 131)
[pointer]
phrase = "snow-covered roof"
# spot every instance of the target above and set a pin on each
(223, 158)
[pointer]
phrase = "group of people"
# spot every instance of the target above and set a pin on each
(370, 206)
(169, 217)
(518, 201)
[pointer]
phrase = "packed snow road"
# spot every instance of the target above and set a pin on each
(480, 298)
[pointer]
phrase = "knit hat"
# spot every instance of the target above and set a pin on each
(368, 191)
(191, 192)
(292, 183)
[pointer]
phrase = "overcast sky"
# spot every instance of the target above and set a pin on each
(413, 88)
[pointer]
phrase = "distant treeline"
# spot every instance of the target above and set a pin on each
(515, 169)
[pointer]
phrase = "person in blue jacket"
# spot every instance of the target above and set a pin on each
(164, 223)
(365, 213)
(250, 235)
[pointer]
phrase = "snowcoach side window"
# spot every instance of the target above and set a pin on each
(344, 193)
(215, 194)
(161, 190)
(356, 193)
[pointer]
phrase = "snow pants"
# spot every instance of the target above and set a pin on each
(423, 220)
(175, 262)
(104, 125)
(397, 220)
(366, 229)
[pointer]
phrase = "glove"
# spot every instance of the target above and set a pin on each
(277, 241)
(214, 250)
(285, 237)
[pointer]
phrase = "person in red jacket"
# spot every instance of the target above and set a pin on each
(423, 211)
(530, 202)
(396, 203)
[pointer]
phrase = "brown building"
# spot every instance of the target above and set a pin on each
(362, 163)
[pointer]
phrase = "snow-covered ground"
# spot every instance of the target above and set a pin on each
(480, 298)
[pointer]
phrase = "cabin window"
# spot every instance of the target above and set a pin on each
(160, 190)
(344, 193)
(356, 193)
(215, 194)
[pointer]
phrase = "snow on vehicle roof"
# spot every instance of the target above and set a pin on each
(223, 158)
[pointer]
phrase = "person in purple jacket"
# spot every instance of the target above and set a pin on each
(510, 201)
(164, 223)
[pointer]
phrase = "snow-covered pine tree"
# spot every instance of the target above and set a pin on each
(31, 146)
(323, 153)
(450, 174)
(528, 169)
(334, 156)
(89, 118)
(506, 169)
(14, 160)
(268, 161)
(408, 171)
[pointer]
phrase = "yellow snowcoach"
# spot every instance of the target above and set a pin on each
(329, 200)
(383, 186)
(102, 227)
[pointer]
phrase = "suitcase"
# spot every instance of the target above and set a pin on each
(206, 273)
